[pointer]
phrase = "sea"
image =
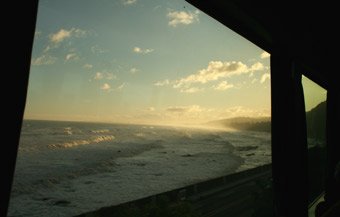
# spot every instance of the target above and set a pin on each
(69, 168)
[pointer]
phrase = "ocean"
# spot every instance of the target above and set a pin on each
(69, 168)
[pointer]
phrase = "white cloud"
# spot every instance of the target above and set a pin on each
(43, 60)
(105, 87)
(241, 111)
(110, 76)
(71, 56)
(120, 87)
(60, 36)
(182, 109)
(47, 48)
(264, 55)
(214, 71)
(151, 109)
(37, 34)
(176, 109)
(137, 50)
(186, 114)
(142, 51)
(182, 17)
(134, 70)
(87, 66)
(264, 77)
(195, 108)
(217, 70)
(78, 32)
(129, 2)
(223, 86)
(254, 80)
(148, 50)
(256, 67)
(63, 34)
(157, 7)
(98, 76)
(104, 75)
(98, 50)
(191, 90)
(162, 83)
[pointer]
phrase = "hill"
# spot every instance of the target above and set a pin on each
(262, 124)
(316, 122)
(315, 118)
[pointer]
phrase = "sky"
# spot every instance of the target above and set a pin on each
(142, 61)
(313, 93)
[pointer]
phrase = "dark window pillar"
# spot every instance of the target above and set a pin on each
(17, 49)
(289, 143)
(332, 193)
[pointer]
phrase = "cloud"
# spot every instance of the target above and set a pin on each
(191, 90)
(37, 34)
(254, 80)
(264, 55)
(186, 114)
(87, 66)
(177, 109)
(48, 47)
(157, 7)
(60, 36)
(223, 86)
(134, 70)
(105, 87)
(98, 50)
(241, 111)
(98, 76)
(129, 2)
(71, 56)
(185, 109)
(110, 76)
(63, 34)
(151, 109)
(162, 83)
(264, 77)
(43, 60)
(167, 82)
(120, 87)
(104, 75)
(78, 33)
(182, 17)
(142, 51)
(214, 71)
(257, 66)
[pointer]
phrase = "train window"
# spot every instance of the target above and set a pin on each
(315, 103)
(133, 98)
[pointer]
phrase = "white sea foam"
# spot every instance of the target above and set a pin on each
(76, 143)
(100, 131)
(87, 171)
(68, 130)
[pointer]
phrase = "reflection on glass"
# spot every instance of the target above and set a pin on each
(315, 102)
(132, 98)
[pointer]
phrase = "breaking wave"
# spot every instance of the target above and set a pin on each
(76, 143)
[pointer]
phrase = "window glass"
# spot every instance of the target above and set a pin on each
(315, 103)
(132, 98)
